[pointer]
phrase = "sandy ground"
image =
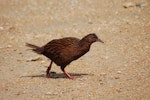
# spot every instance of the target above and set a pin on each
(116, 70)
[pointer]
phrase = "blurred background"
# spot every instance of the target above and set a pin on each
(119, 68)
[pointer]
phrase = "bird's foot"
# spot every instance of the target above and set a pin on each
(69, 76)
(48, 75)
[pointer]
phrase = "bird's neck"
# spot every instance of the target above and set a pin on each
(82, 49)
(84, 45)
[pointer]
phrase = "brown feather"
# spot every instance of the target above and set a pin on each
(35, 48)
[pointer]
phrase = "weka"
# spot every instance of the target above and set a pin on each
(63, 51)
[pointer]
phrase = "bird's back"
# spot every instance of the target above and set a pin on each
(62, 51)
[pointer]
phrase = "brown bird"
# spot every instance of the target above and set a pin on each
(63, 51)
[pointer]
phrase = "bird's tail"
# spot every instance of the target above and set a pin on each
(35, 48)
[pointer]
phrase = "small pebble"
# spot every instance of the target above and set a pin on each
(1, 28)
(6, 89)
(43, 61)
(48, 93)
(117, 77)
(101, 83)
(106, 57)
(119, 72)
(128, 4)
(34, 59)
(142, 5)
(125, 65)
(12, 28)
(84, 78)
(9, 46)
(118, 90)
(146, 47)
(90, 23)
(24, 91)
(19, 60)
(103, 74)
(11, 69)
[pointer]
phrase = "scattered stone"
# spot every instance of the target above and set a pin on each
(19, 60)
(125, 65)
(43, 61)
(12, 28)
(128, 4)
(24, 92)
(21, 92)
(81, 83)
(118, 90)
(34, 59)
(9, 46)
(142, 5)
(15, 50)
(83, 79)
(20, 53)
(18, 93)
(101, 83)
(52, 93)
(11, 70)
(106, 57)
(6, 89)
(90, 23)
(117, 77)
(147, 47)
(1, 28)
(119, 72)
(103, 74)
(48, 93)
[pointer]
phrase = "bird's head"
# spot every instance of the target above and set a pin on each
(91, 38)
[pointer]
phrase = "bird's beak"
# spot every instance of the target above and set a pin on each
(99, 40)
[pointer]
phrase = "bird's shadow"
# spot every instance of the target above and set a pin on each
(55, 75)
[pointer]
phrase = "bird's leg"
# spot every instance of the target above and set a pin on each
(68, 75)
(48, 69)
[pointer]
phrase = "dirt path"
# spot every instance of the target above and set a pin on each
(116, 70)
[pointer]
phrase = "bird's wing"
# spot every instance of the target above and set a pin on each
(61, 49)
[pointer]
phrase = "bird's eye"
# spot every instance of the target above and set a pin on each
(94, 36)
